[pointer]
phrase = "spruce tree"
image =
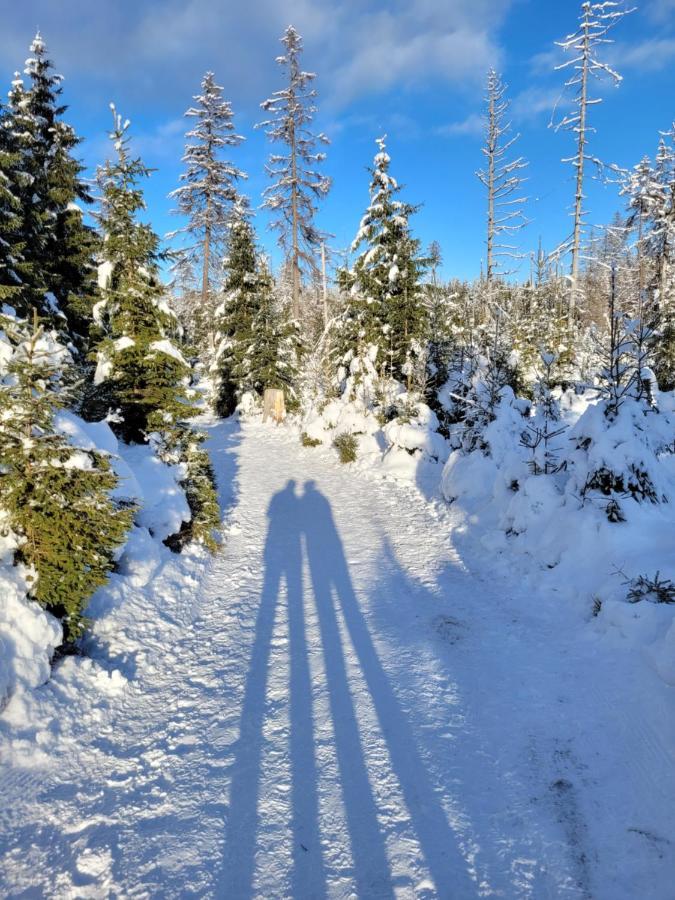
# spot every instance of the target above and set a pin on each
(386, 307)
(57, 496)
(241, 302)
(141, 374)
(10, 215)
(661, 249)
(298, 185)
(259, 341)
(207, 194)
(57, 271)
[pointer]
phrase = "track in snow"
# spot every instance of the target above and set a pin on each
(338, 708)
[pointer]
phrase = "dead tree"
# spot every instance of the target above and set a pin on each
(502, 180)
(297, 184)
(596, 20)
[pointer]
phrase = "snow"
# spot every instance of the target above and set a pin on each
(165, 346)
(340, 705)
(123, 343)
(554, 529)
(104, 274)
(28, 635)
(155, 486)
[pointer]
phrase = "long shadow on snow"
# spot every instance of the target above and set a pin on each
(290, 519)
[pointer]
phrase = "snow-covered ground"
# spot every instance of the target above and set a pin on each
(337, 706)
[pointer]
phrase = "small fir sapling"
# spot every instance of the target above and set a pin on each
(545, 427)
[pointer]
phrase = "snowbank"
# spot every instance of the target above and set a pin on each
(28, 634)
(588, 530)
(396, 433)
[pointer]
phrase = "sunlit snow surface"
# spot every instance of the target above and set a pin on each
(337, 706)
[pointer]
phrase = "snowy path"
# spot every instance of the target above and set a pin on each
(340, 709)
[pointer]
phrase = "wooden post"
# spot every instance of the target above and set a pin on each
(274, 406)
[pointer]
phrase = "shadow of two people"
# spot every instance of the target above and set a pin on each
(300, 523)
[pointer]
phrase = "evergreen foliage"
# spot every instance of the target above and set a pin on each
(206, 196)
(10, 214)
(385, 307)
(57, 496)
(258, 347)
(140, 374)
(55, 259)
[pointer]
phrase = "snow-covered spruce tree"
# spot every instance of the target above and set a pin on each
(502, 180)
(140, 372)
(494, 377)
(273, 359)
(205, 198)
(616, 442)
(141, 375)
(385, 308)
(542, 431)
(237, 312)
(297, 184)
(57, 270)
(57, 496)
(596, 20)
(10, 215)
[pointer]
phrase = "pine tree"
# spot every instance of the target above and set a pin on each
(297, 186)
(57, 496)
(207, 192)
(386, 307)
(57, 271)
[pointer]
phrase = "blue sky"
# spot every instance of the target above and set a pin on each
(412, 69)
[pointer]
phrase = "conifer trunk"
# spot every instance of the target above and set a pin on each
(294, 215)
(581, 146)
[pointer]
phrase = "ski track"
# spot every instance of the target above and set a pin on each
(340, 712)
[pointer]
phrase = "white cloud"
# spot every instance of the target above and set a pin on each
(649, 55)
(662, 11)
(534, 102)
(472, 126)
(155, 49)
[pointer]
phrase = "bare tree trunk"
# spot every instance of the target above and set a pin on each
(295, 260)
(581, 148)
(324, 284)
(491, 186)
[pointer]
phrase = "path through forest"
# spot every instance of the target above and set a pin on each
(339, 708)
